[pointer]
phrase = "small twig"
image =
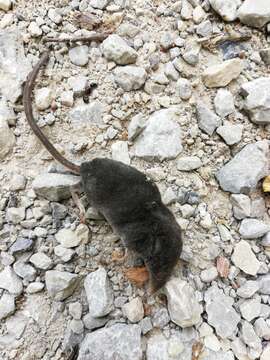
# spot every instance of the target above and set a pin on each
(95, 37)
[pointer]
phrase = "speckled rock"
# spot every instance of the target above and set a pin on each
(60, 284)
(116, 49)
(244, 258)
(222, 74)
(10, 281)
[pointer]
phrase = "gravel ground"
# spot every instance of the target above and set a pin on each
(182, 94)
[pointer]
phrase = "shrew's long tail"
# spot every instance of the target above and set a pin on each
(27, 103)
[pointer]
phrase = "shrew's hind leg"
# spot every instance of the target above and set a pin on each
(79, 205)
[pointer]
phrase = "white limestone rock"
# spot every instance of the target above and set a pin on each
(116, 49)
(222, 74)
(244, 258)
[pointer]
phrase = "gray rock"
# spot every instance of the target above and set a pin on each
(59, 211)
(241, 206)
(248, 289)
(14, 66)
(224, 103)
(221, 314)
(64, 253)
(15, 215)
(60, 284)
(120, 152)
(43, 98)
(237, 177)
(183, 306)
(116, 49)
(161, 318)
(262, 329)
(226, 9)
(231, 134)
(34, 30)
(209, 275)
(99, 293)
(166, 40)
(134, 310)
(186, 10)
(76, 326)
(189, 163)
(198, 14)
(75, 310)
(161, 138)
(255, 14)
(244, 258)
(207, 120)
(136, 126)
(256, 94)
(99, 4)
(7, 305)
(157, 348)
(87, 114)
(55, 187)
(10, 281)
(249, 336)
(192, 52)
(68, 238)
(264, 283)
(130, 77)
(118, 341)
(78, 55)
(250, 309)
(41, 261)
(253, 229)
(169, 197)
(92, 323)
(266, 240)
(55, 16)
(265, 55)
(258, 208)
(146, 325)
(205, 28)
(24, 270)
(222, 74)
(171, 72)
(21, 245)
(35, 287)
(184, 88)
(7, 138)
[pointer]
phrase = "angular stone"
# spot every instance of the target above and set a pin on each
(241, 206)
(87, 114)
(209, 275)
(249, 336)
(99, 293)
(14, 67)
(136, 126)
(222, 74)
(226, 9)
(43, 98)
(224, 103)
(254, 13)
(55, 187)
(265, 55)
(244, 258)
(248, 289)
(161, 318)
(116, 49)
(161, 139)
(78, 55)
(118, 341)
(41, 261)
(262, 329)
(120, 152)
(250, 309)
(75, 310)
(256, 95)
(77, 326)
(220, 312)
(7, 138)
(92, 323)
(55, 16)
(67, 238)
(130, 77)
(35, 287)
(15, 215)
(60, 284)
(183, 306)
(184, 88)
(264, 283)
(236, 177)
(253, 229)
(64, 253)
(24, 270)
(208, 121)
(7, 305)
(189, 163)
(10, 281)
(133, 310)
(191, 52)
